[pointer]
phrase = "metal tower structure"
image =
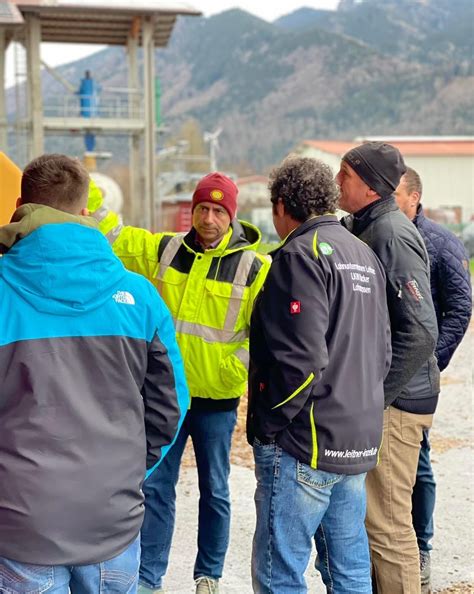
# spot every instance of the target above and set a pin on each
(142, 23)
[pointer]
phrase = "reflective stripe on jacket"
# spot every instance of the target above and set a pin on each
(320, 350)
(210, 295)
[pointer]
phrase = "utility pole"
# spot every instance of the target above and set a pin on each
(211, 138)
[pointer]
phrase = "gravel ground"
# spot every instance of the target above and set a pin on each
(452, 557)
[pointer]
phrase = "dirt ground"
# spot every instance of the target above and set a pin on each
(457, 589)
(451, 440)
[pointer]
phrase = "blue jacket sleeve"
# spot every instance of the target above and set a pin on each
(454, 299)
(165, 392)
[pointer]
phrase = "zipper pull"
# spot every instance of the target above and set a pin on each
(399, 295)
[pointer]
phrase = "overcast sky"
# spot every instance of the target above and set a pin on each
(55, 54)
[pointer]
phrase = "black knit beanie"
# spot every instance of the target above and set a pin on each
(378, 164)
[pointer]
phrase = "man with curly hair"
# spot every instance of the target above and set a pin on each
(319, 354)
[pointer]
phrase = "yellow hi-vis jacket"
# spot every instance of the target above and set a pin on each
(210, 294)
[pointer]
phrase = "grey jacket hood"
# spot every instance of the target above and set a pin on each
(59, 263)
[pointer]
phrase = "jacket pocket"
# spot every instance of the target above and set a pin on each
(434, 375)
(232, 370)
(172, 291)
(425, 383)
(223, 304)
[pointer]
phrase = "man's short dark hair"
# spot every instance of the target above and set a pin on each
(413, 181)
(306, 187)
(55, 180)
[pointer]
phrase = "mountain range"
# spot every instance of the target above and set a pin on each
(372, 67)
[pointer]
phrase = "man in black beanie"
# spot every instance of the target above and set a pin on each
(368, 176)
(378, 164)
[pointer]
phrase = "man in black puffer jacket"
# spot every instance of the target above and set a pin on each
(368, 176)
(452, 297)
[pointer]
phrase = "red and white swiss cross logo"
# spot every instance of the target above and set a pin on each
(295, 307)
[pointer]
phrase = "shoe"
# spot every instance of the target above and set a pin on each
(145, 590)
(425, 568)
(207, 585)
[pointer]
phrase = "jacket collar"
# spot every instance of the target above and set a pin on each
(420, 215)
(192, 242)
(311, 223)
(29, 217)
(360, 220)
(240, 235)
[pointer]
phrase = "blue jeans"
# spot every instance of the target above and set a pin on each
(116, 576)
(211, 434)
(424, 496)
(295, 504)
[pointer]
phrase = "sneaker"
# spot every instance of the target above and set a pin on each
(207, 585)
(145, 590)
(425, 568)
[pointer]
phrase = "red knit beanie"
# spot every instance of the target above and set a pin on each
(219, 189)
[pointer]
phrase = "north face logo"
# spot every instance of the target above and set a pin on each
(123, 297)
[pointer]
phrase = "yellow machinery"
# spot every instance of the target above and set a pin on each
(10, 178)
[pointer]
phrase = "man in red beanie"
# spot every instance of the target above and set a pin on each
(214, 205)
(209, 278)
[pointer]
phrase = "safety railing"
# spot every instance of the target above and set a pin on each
(124, 105)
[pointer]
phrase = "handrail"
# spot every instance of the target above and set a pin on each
(113, 106)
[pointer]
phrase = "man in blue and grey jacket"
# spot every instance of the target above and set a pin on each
(452, 298)
(92, 393)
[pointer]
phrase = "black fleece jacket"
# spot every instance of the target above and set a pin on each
(412, 384)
